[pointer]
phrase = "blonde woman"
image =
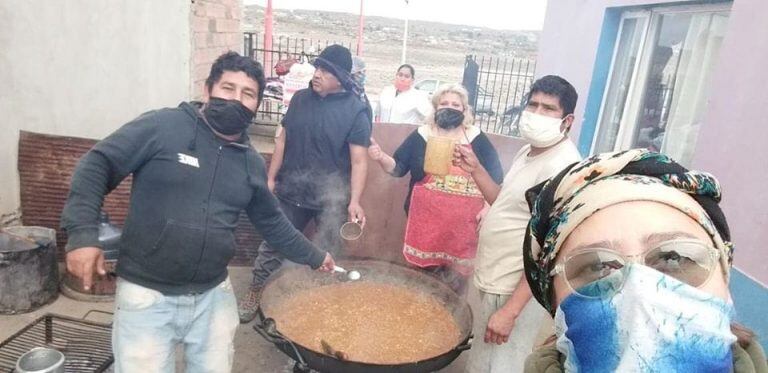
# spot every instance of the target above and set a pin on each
(441, 230)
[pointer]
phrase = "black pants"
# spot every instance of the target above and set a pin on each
(328, 222)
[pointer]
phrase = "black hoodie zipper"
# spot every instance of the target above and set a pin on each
(208, 201)
(207, 212)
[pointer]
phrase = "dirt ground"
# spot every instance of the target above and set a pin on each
(436, 50)
(252, 352)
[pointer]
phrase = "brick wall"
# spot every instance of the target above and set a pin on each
(215, 29)
(46, 164)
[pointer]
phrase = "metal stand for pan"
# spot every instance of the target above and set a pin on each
(85, 344)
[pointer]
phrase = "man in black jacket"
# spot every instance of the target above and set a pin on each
(320, 162)
(194, 171)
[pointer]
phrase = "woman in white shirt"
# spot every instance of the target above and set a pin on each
(400, 102)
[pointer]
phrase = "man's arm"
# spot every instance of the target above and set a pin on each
(97, 173)
(502, 321)
(359, 156)
(277, 160)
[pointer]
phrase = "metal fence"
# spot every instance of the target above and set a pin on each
(498, 88)
(283, 48)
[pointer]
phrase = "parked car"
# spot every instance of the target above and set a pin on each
(484, 103)
(428, 85)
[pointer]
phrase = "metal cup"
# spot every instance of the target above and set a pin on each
(351, 230)
(41, 360)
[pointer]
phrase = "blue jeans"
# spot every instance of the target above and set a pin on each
(149, 325)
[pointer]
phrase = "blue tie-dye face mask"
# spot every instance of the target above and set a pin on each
(655, 323)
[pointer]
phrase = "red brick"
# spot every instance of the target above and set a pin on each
(227, 25)
(235, 40)
(201, 71)
(214, 53)
(200, 57)
(203, 40)
(200, 24)
(218, 41)
(234, 11)
(215, 10)
(197, 89)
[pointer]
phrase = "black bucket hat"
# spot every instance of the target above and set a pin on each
(337, 60)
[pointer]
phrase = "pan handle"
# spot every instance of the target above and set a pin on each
(466, 345)
(268, 329)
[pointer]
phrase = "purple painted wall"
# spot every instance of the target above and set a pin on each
(733, 140)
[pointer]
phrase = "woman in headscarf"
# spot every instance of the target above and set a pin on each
(358, 76)
(631, 254)
(441, 230)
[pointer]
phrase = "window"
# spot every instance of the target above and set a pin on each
(658, 84)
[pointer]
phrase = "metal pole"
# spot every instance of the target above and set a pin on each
(405, 33)
(360, 31)
(268, 39)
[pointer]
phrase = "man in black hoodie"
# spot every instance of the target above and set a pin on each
(194, 171)
(320, 162)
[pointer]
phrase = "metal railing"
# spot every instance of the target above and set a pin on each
(498, 89)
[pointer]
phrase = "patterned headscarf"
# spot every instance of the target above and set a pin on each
(560, 204)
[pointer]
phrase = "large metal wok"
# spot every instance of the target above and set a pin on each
(290, 280)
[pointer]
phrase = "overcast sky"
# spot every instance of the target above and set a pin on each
(498, 14)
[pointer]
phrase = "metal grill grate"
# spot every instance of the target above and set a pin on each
(85, 344)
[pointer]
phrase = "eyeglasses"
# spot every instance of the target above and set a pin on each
(598, 272)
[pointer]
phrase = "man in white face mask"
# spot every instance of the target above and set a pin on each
(544, 123)
(505, 316)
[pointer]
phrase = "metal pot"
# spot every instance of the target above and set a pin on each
(103, 287)
(290, 280)
(41, 360)
(29, 273)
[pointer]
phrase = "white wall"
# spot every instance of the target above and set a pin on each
(84, 67)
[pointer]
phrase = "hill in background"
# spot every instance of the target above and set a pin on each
(436, 50)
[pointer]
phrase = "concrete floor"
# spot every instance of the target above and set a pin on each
(252, 352)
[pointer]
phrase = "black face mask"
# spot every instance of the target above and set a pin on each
(227, 117)
(448, 118)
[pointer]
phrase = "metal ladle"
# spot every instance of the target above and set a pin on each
(351, 275)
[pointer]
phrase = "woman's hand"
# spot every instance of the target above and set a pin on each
(374, 151)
